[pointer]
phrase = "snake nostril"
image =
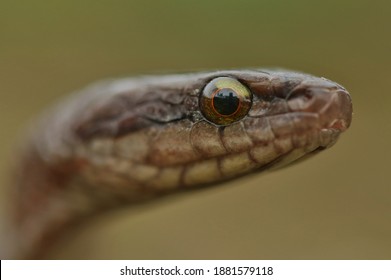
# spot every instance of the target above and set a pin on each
(304, 94)
(300, 99)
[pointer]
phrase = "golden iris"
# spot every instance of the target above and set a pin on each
(225, 100)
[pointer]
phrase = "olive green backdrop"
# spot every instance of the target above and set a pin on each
(334, 206)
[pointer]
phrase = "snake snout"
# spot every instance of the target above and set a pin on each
(335, 116)
(337, 112)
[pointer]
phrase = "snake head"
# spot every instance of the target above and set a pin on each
(129, 140)
(161, 133)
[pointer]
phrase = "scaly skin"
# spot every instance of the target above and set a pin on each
(130, 140)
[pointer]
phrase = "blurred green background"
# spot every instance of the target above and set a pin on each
(336, 205)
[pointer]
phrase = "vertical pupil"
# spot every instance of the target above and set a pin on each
(226, 101)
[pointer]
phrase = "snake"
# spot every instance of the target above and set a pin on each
(131, 140)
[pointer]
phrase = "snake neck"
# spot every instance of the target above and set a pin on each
(46, 201)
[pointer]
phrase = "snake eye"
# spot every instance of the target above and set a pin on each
(225, 100)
